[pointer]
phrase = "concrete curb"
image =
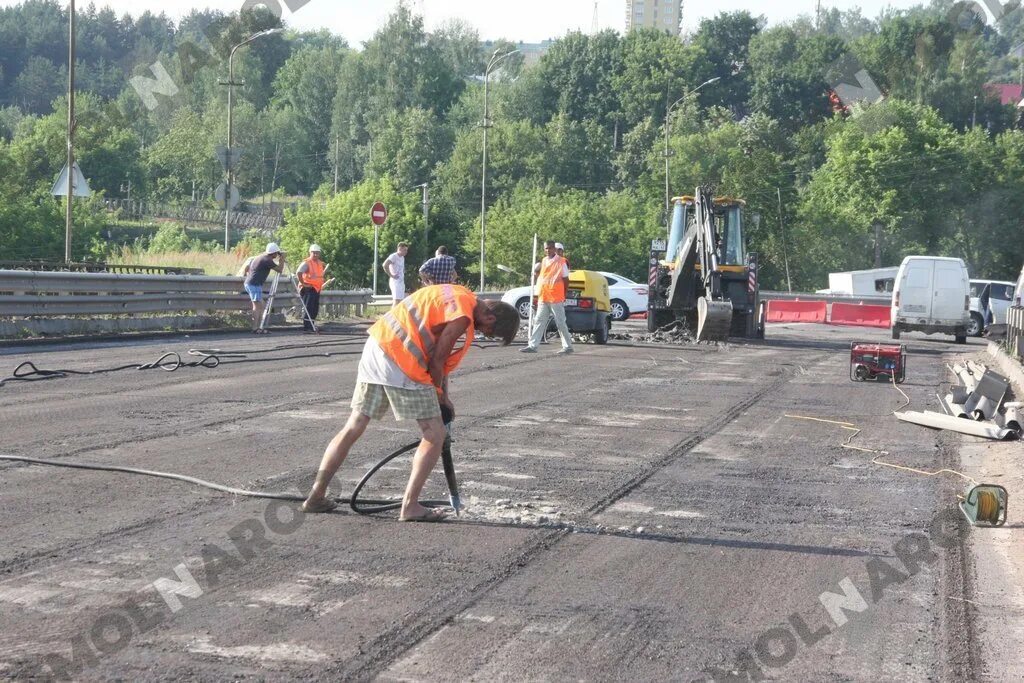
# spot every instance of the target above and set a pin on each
(1009, 367)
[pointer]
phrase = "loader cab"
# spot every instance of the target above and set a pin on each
(732, 249)
(729, 220)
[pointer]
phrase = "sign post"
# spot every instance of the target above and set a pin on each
(378, 214)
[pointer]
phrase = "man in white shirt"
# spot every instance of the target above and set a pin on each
(394, 266)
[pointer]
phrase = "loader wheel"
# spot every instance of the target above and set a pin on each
(961, 338)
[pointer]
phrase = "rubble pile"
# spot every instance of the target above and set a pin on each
(674, 333)
(977, 406)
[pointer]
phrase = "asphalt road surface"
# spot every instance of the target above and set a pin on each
(635, 513)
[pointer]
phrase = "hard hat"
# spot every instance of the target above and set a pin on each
(272, 248)
(315, 247)
(558, 245)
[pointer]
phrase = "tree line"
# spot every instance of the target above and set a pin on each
(576, 144)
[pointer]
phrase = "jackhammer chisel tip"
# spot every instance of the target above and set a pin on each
(456, 505)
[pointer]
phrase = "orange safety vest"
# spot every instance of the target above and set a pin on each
(406, 332)
(550, 289)
(314, 277)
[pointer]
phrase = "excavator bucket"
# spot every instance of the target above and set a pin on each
(714, 318)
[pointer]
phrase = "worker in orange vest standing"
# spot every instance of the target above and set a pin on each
(405, 364)
(311, 283)
(552, 284)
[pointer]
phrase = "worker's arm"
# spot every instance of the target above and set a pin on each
(446, 341)
(300, 273)
(387, 269)
(280, 266)
(425, 277)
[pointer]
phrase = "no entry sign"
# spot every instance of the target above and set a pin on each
(379, 213)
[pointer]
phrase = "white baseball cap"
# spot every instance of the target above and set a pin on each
(272, 248)
(315, 247)
(558, 245)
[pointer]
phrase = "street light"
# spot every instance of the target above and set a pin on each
(72, 124)
(231, 129)
(494, 61)
(668, 115)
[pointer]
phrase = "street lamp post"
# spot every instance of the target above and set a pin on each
(668, 115)
(231, 130)
(69, 215)
(494, 61)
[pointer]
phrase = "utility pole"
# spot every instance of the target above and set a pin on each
(494, 61)
(426, 217)
(337, 160)
(785, 250)
(878, 245)
(668, 119)
(69, 215)
(231, 156)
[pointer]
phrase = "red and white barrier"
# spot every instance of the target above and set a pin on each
(797, 311)
(861, 315)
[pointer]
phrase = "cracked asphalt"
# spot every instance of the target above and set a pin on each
(635, 512)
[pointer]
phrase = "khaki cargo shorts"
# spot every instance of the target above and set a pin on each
(372, 400)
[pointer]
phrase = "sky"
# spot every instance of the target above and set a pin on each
(517, 20)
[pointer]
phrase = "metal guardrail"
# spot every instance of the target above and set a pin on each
(95, 267)
(31, 294)
(385, 299)
(867, 299)
(1015, 331)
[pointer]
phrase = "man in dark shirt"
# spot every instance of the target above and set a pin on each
(439, 270)
(256, 273)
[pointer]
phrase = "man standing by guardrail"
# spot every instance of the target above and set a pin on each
(439, 270)
(311, 283)
(394, 266)
(256, 273)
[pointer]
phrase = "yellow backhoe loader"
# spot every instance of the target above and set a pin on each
(702, 275)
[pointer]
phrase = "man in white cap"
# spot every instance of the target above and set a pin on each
(560, 250)
(311, 283)
(256, 273)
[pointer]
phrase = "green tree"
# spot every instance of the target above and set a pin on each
(897, 166)
(724, 42)
(408, 147)
(789, 73)
(343, 229)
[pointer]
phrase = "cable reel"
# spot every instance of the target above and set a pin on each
(985, 503)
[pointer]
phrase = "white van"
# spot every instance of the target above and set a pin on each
(931, 294)
(1000, 298)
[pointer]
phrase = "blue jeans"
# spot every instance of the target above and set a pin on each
(255, 292)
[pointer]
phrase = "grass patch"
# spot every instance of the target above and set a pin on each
(211, 262)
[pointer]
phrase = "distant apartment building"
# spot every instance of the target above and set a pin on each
(664, 15)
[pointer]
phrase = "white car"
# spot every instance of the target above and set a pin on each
(627, 297)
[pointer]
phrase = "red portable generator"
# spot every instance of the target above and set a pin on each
(869, 360)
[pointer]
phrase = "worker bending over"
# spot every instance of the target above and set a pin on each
(406, 363)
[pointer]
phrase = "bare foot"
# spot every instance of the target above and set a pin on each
(313, 505)
(418, 513)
